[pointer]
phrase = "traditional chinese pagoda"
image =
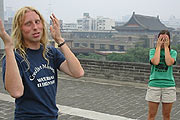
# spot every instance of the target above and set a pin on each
(141, 23)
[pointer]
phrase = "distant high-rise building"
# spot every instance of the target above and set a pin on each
(9, 13)
(86, 23)
(86, 15)
(104, 23)
(2, 18)
(2, 10)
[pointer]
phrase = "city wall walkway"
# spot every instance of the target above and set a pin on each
(94, 99)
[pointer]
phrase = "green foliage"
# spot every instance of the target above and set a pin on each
(133, 55)
(91, 56)
(175, 39)
(177, 48)
(138, 54)
(120, 57)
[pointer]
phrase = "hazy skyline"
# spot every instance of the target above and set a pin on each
(71, 10)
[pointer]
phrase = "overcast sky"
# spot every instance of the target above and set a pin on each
(70, 10)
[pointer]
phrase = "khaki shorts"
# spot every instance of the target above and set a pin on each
(165, 95)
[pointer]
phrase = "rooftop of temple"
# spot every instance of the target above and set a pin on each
(143, 23)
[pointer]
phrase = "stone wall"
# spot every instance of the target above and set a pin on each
(122, 71)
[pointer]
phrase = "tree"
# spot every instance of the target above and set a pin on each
(175, 39)
(138, 54)
(177, 48)
(91, 56)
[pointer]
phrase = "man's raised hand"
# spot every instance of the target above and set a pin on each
(5, 37)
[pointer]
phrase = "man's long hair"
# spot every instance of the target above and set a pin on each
(17, 33)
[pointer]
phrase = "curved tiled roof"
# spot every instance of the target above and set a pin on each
(141, 22)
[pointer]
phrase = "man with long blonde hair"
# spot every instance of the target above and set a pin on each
(30, 67)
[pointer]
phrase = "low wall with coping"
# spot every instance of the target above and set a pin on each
(122, 71)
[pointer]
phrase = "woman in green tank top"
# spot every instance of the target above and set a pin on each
(161, 86)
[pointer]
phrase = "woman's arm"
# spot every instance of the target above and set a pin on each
(168, 59)
(156, 59)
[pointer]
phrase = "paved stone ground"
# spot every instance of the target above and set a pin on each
(114, 98)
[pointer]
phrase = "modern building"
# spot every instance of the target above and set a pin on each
(9, 13)
(86, 23)
(2, 10)
(8, 24)
(69, 27)
(96, 41)
(2, 18)
(104, 23)
(91, 24)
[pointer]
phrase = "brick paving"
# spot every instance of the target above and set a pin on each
(121, 99)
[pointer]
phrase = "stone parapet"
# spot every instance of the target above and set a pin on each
(122, 71)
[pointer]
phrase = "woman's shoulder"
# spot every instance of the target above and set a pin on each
(152, 49)
(173, 51)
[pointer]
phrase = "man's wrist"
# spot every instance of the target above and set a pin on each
(61, 44)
